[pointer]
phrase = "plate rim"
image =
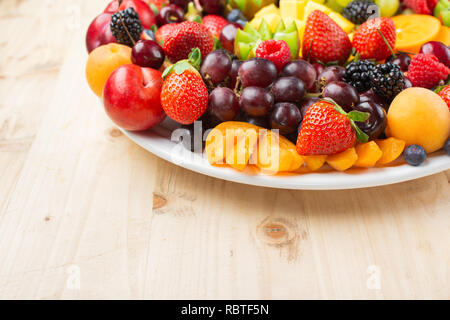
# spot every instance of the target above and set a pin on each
(434, 165)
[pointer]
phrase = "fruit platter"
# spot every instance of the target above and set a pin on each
(297, 94)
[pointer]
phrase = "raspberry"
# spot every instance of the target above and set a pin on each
(432, 4)
(421, 6)
(426, 71)
(276, 51)
(445, 95)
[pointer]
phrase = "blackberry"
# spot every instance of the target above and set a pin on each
(358, 11)
(126, 27)
(359, 74)
(388, 80)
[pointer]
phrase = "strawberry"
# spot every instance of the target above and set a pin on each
(445, 95)
(163, 32)
(327, 129)
(324, 40)
(184, 96)
(276, 51)
(186, 36)
(426, 71)
(368, 41)
(214, 24)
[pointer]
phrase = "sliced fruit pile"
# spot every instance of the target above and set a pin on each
(285, 89)
(239, 144)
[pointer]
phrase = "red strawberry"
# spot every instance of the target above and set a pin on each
(368, 41)
(186, 36)
(445, 95)
(276, 51)
(324, 40)
(327, 129)
(163, 32)
(421, 6)
(214, 24)
(184, 96)
(426, 71)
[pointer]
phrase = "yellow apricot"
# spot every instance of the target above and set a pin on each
(102, 62)
(368, 154)
(314, 163)
(277, 154)
(344, 160)
(419, 116)
(391, 149)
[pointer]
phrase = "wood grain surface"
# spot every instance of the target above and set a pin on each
(86, 213)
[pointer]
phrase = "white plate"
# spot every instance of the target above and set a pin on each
(158, 142)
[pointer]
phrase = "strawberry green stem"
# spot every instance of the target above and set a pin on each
(353, 116)
(192, 63)
(195, 58)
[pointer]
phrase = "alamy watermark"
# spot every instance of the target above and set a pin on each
(235, 145)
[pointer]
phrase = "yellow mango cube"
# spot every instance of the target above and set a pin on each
(311, 6)
(292, 8)
(345, 24)
(270, 9)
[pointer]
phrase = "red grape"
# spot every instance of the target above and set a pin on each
(228, 35)
(223, 104)
(319, 67)
(216, 67)
(401, 59)
(170, 14)
(256, 101)
(438, 49)
(288, 89)
(213, 6)
(285, 117)
(301, 70)
(148, 54)
(376, 124)
(342, 93)
(369, 95)
(234, 72)
(181, 3)
(332, 73)
(257, 72)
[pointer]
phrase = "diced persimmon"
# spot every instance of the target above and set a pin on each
(368, 154)
(344, 160)
(391, 148)
(222, 140)
(245, 142)
(314, 163)
(277, 154)
(215, 146)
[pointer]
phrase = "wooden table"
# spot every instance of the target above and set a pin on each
(86, 213)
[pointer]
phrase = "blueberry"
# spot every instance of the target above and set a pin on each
(150, 34)
(241, 22)
(447, 147)
(235, 15)
(415, 155)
